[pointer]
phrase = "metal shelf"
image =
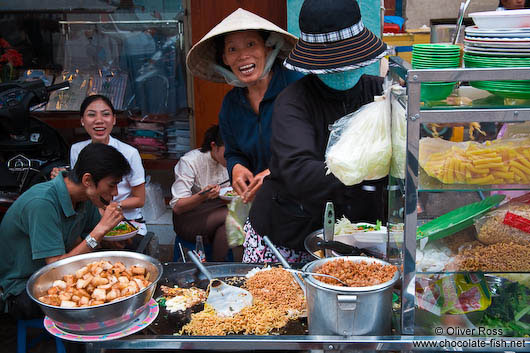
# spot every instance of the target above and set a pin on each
(416, 115)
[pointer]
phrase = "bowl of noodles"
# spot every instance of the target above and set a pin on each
(227, 193)
(124, 230)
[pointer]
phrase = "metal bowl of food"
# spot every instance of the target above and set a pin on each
(117, 311)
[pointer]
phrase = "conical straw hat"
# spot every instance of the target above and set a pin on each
(201, 57)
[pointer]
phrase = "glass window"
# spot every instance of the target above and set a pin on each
(132, 51)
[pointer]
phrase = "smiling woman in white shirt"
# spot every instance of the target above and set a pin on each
(197, 208)
(98, 117)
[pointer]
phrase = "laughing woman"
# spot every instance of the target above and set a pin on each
(242, 51)
(98, 117)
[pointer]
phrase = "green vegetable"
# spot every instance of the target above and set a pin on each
(161, 301)
(121, 226)
(510, 310)
(378, 225)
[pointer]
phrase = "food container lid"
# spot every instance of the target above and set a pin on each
(314, 265)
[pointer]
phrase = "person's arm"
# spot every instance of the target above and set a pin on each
(136, 199)
(186, 204)
(110, 218)
(183, 199)
(233, 154)
(241, 179)
(301, 165)
(136, 180)
(254, 186)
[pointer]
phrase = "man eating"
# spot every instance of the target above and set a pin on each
(58, 219)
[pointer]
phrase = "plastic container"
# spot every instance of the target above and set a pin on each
(502, 19)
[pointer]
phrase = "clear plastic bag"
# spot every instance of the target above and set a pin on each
(510, 223)
(504, 161)
(399, 139)
(359, 146)
(154, 205)
(235, 220)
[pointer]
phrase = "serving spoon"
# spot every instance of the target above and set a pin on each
(305, 273)
(227, 300)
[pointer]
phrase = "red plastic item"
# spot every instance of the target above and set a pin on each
(391, 28)
(516, 221)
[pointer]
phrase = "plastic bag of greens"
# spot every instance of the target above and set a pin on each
(359, 146)
(235, 220)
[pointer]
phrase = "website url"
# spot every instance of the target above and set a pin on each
(470, 343)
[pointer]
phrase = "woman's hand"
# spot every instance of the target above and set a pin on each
(254, 186)
(55, 171)
(241, 179)
(211, 191)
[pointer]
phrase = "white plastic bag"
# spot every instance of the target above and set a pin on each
(359, 146)
(235, 220)
(154, 206)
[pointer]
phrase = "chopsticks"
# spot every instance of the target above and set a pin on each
(182, 253)
(209, 189)
(106, 203)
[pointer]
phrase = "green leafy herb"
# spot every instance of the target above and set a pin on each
(510, 310)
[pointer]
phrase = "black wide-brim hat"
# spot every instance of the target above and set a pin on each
(333, 39)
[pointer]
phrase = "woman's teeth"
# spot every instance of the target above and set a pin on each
(246, 69)
(99, 129)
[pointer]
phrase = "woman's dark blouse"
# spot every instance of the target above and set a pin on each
(290, 204)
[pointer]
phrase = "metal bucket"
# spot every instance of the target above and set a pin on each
(348, 311)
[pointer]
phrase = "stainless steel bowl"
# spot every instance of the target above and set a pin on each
(98, 319)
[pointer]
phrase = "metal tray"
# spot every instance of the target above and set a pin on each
(187, 275)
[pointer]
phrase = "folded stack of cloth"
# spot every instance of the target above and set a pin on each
(159, 136)
(148, 137)
(178, 138)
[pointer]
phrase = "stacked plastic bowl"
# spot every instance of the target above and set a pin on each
(500, 39)
(435, 56)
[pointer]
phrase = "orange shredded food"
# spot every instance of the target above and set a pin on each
(257, 319)
(501, 257)
(277, 299)
(356, 274)
(277, 288)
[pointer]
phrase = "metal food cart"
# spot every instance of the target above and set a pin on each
(404, 208)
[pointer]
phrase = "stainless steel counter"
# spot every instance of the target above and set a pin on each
(145, 340)
(326, 343)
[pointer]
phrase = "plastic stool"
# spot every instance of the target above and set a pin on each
(22, 326)
(190, 246)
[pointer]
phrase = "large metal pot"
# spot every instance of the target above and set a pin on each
(98, 319)
(336, 310)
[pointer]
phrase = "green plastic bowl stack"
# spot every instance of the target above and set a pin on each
(519, 89)
(498, 47)
(435, 56)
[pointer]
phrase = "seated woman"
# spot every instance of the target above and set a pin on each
(98, 117)
(197, 209)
